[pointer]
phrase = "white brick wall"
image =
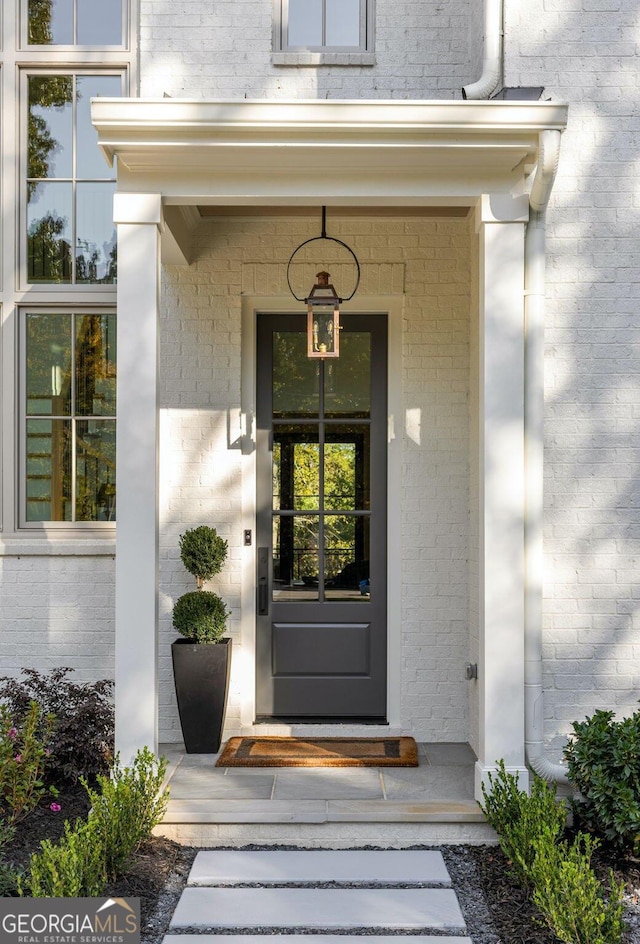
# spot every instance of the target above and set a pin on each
(585, 52)
(201, 471)
(57, 610)
(222, 49)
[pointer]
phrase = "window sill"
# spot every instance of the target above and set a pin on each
(58, 545)
(323, 59)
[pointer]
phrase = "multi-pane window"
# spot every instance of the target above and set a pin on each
(325, 25)
(75, 23)
(71, 237)
(69, 426)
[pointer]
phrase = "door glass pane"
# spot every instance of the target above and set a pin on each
(296, 468)
(99, 23)
(48, 365)
(96, 365)
(347, 380)
(343, 23)
(90, 163)
(305, 23)
(295, 378)
(49, 233)
(95, 470)
(346, 468)
(48, 459)
(50, 151)
(295, 557)
(96, 259)
(50, 22)
(346, 557)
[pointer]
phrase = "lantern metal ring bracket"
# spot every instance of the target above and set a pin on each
(332, 239)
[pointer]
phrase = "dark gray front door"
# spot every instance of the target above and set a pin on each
(321, 529)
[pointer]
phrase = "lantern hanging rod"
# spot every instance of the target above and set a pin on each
(333, 239)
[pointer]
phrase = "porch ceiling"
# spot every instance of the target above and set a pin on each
(337, 152)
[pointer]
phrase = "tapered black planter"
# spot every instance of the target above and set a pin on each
(201, 674)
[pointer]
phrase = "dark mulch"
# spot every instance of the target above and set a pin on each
(160, 867)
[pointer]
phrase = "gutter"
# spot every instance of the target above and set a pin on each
(492, 62)
(534, 289)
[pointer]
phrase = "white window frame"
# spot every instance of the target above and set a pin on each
(59, 48)
(21, 491)
(284, 54)
(17, 58)
(52, 287)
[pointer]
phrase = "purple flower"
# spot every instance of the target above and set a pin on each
(12, 733)
(55, 807)
(47, 752)
(18, 758)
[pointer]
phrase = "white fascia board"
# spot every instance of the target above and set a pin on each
(149, 133)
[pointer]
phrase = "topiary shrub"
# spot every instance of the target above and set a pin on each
(603, 757)
(203, 552)
(201, 616)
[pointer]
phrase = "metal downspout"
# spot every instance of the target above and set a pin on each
(492, 61)
(545, 173)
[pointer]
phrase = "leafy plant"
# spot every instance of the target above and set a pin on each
(127, 806)
(569, 895)
(518, 818)
(24, 752)
(82, 735)
(200, 615)
(9, 874)
(564, 887)
(74, 867)
(603, 758)
(203, 552)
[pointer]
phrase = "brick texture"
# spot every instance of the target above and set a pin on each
(202, 471)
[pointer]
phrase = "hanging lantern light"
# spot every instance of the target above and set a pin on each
(323, 302)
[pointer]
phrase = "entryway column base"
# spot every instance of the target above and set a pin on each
(482, 772)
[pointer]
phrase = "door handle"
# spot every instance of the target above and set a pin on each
(263, 581)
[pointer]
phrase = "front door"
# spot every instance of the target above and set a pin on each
(321, 529)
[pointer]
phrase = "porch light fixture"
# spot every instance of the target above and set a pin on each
(323, 302)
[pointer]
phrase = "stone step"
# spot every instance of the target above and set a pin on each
(310, 939)
(292, 867)
(418, 909)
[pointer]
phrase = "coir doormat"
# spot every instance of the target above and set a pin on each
(319, 752)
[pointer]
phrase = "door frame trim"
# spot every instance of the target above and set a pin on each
(244, 421)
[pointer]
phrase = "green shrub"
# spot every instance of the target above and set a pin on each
(9, 874)
(74, 867)
(570, 896)
(603, 758)
(203, 552)
(518, 818)
(24, 752)
(127, 806)
(201, 616)
(124, 810)
(82, 737)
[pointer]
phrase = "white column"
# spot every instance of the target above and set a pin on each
(500, 223)
(138, 217)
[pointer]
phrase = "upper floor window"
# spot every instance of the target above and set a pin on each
(325, 25)
(75, 22)
(70, 233)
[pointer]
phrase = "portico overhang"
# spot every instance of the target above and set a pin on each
(345, 152)
(173, 156)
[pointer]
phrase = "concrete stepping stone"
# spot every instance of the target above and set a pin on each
(399, 866)
(419, 909)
